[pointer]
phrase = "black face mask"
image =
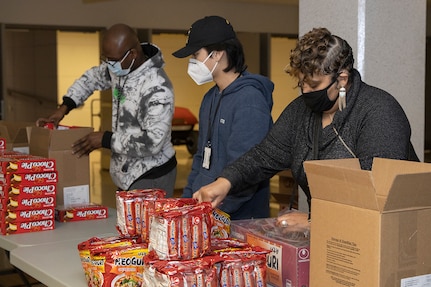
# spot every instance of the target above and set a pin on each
(318, 101)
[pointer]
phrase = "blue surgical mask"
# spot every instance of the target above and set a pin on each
(115, 66)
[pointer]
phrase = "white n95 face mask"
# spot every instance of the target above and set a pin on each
(199, 72)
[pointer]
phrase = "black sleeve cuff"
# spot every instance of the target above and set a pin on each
(106, 140)
(69, 103)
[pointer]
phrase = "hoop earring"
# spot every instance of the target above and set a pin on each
(342, 98)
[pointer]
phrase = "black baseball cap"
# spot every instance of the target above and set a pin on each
(204, 32)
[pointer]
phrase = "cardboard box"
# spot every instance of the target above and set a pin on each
(73, 172)
(369, 228)
(289, 261)
(287, 194)
(15, 133)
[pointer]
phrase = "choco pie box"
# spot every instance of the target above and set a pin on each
(27, 192)
(80, 212)
(26, 226)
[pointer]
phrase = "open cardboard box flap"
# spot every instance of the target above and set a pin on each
(391, 185)
(14, 132)
(55, 140)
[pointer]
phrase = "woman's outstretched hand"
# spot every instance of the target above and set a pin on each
(214, 192)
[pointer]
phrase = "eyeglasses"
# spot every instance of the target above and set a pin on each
(113, 62)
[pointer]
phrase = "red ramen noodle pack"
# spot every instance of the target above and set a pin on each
(91, 246)
(132, 208)
(241, 265)
(181, 233)
(221, 224)
(246, 269)
(121, 266)
(197, 272)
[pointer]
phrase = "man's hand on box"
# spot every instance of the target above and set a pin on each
(87, 144)
(55, 118)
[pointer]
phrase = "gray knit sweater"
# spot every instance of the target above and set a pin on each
(372, 125)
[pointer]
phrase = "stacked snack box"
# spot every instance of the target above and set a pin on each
(28, 186)
(80, 212)
(288, 263)
(173, 242)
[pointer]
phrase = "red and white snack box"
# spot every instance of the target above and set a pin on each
(26, 164)
(289, 260)
(36, 178)
(28, 226)
(27, 215)
(81, 212)
(10, 204)
(28, 191)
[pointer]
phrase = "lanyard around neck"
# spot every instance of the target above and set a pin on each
(212, 117)
(119, 95)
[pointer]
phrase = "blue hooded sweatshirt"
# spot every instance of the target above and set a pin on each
(231, 123)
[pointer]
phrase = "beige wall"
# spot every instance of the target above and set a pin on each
(76, 52)
(284, 85)
(188, 94)
(79, 51)
(160, 14)
(29, 73)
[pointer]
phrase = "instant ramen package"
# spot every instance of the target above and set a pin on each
(132, 209)
(86, 248)
(196, 272)
(181, 233)
(119, 266)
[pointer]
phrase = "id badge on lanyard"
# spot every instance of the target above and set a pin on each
(207, 150)
(207, 156)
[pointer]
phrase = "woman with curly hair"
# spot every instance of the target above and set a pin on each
(336, 116)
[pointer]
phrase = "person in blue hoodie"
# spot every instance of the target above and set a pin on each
(234, 116)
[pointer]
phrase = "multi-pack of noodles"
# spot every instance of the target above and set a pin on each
(132, 208)
(177, 273)
(181, 233)
(119, 266)
(89, 247)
